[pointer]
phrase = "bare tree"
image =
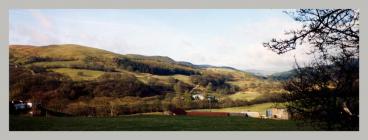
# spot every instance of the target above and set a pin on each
(326, 91)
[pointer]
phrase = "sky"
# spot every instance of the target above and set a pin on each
(220, 37)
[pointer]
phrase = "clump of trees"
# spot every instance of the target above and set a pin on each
(214, 83)
(37, 69)
(34, 59)
(99, 67)
(118, 85)
(325, 92)
(24, 82)
(152, 67)
(55, 90)
(227, 102)
(90, 63)
(181, 87)
(108, 106)
(205, 79)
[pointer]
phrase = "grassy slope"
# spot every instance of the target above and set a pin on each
(55, 64)
(243, 80)
(150, 123)
(261, 108)
(21, 53)
(68, 51)
(73, 73)
(247, 95)
(64, 51)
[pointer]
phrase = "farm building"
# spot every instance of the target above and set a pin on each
(277, 113)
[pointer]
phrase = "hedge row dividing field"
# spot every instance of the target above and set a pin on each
(151, 123)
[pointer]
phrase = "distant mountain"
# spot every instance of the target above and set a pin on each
(184, 63)
(283, 75)
(262, 73)
(157, 58)
(291, 73)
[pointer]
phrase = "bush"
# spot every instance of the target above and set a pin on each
(79, 109)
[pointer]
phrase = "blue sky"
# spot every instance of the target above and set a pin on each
(222, 37)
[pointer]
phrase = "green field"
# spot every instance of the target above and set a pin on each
(73, 73)
(151, 123)
(56, 64)
(248, 96)
(261, 108)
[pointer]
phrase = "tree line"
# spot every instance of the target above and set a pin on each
(120, 93)
(152, 67)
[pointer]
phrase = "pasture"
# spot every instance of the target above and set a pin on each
(261, 108)
(151, 123)
(79, 74)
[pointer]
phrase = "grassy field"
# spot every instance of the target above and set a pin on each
(151, 123)
(261, 108)
(73, 73)
(248, 95)
(56, 63)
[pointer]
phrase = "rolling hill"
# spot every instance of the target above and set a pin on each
(86, 77)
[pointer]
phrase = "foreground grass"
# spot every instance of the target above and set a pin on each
(150, 123)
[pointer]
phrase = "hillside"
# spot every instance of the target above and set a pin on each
(68, 52)
(76, 56)
(74, 76)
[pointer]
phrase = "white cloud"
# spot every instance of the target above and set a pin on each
(41, 18)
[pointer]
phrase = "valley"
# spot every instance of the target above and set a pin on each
(93, 80)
